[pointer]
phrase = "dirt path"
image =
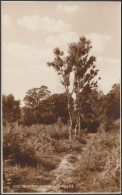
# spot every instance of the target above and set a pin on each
(62, 175)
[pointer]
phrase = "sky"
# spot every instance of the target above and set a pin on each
(32, 29)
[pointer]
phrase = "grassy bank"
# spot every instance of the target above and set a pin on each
(99, 168)
(34, 151)
(31, 154)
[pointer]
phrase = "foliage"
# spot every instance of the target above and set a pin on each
(33, 96)
(25, 144)
(24, 176)
(29, 116)
(113, 100)
(11, 108)
(48, 112)
(61, 66)
(48, 118)
(33, 152)
(29, 145)
(59, 133)
(61, 147)
(78, 62)
(110, 106)
(84, 71)
(59, 105)
(56, 104)
(99, 169)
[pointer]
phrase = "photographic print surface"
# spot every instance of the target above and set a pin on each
(60, 96)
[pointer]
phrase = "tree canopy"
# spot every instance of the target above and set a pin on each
(11, 108)
(33, 96)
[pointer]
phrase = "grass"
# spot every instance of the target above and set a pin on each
(26, 151)
(99, 169)
(24, 179)
(30, 154)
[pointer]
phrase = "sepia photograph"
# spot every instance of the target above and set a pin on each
(60, 97)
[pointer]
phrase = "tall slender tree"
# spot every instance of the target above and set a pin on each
(84, 71)
(64, 70)
(78, 62)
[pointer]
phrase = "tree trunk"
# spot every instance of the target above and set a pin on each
(78, 109)
(79, 123)
(70, 131)
(75, 130)
(70, 117)
(70, 120)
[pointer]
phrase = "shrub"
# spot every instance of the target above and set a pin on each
(48, 118)
(81, 140)
(17, 175)
(114, 125)
(57, 133)
(72, 159)
(48, 161)
(76, 146)
(61, 146)
(23, 143)
(100, 165)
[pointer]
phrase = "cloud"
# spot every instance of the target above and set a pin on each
(110, 72)
(99, 41)
(109, 60)
(67, 8)
(61, 40)
(6, 20)
(35, 23)
(18, 51)
(24, 67)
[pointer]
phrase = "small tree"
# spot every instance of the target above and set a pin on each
(11, 108)
(114, 102)
(111, 106)
(35, 95)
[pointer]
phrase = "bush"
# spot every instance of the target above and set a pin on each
(48, 161)
(81, 140)
(72, 159)
(48, 118)
(100, 165)
(114, 125)
(59, 133)
(60, 146)
(76, 146)
(17, 175)
(24, 143)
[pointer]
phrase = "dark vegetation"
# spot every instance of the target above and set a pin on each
(36, 136)
(96, 107)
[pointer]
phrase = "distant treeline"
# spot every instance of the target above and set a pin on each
(43, 108)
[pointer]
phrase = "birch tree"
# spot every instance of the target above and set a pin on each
(63, 69)
(84, 70)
